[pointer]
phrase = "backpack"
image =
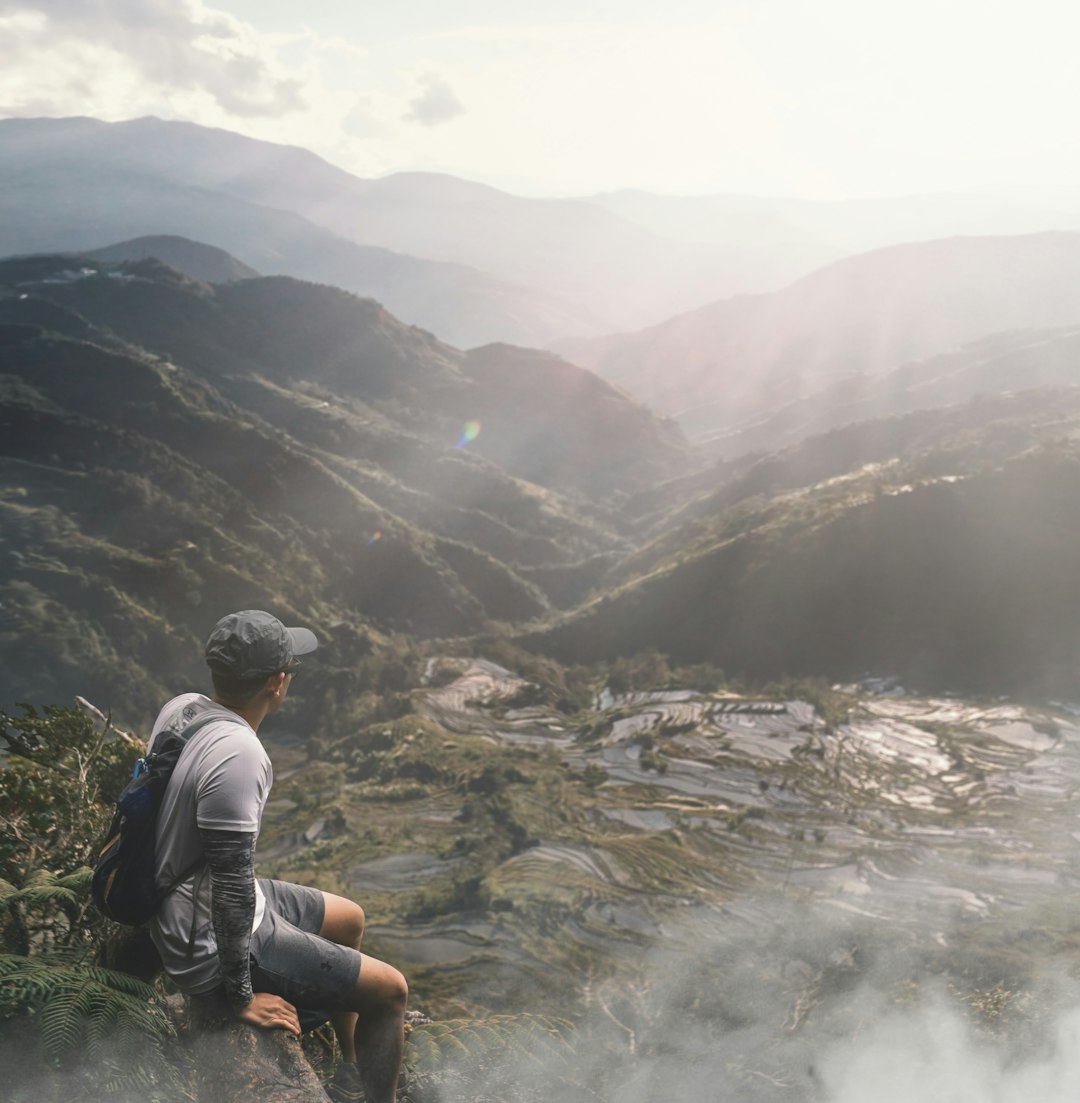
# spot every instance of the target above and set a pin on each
(123, 885)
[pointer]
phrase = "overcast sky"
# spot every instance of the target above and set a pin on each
(821, 98)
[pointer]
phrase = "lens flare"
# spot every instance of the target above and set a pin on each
(469, 432)
(375, 536)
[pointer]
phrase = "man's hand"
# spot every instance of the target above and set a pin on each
(269, 1012)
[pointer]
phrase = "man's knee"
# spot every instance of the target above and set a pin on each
(380, 986)
(398, 994)
(358, 921)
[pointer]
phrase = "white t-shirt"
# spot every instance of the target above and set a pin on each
(221, 781)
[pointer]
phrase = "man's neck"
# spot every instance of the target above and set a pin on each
(253, 714)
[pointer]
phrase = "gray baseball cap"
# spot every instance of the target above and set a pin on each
(253, 644)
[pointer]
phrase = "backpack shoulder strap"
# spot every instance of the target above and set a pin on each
(189, 730)
(184, 735)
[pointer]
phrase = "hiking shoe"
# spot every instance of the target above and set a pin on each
(345, 1087)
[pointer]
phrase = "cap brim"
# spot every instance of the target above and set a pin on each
(303, 640)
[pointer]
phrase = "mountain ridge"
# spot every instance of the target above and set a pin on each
(603, 271)
(731, 363)
(193, 258)
(76, 199)
(155, 428)
(940, 547)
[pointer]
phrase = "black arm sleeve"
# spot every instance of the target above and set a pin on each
(230, 859)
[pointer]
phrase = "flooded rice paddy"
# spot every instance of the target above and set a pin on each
(912, 807)
(687, 822)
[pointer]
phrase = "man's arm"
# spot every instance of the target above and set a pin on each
(230, 859)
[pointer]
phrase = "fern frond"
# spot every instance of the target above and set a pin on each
(39, 878)
(52, 913)
(78, 1007)
(502, 1038)
(141, 1078)
(20, 975)
(40, 895)
(78, 881)
(43, 887)
(64, 1017)
(120, 982)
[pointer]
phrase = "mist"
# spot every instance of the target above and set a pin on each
(810, 1007)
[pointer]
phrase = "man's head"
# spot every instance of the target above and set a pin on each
(248, 650)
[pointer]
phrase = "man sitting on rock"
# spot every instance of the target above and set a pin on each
(284, 956)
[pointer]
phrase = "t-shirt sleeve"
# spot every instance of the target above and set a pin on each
(234, 785)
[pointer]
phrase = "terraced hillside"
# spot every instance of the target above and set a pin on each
(715, 886)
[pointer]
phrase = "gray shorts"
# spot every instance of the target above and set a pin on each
(290, 959)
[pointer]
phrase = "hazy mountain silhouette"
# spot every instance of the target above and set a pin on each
(622, 272)
(79, 185)
(532, 404)
(793, 235)
(731, 364)
(524, 270)
(437, 491)
(537, 269)
(194, 259)
(1001, 363)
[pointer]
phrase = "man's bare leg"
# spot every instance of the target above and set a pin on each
(380, 996)
(373, 1025)
(343, 923)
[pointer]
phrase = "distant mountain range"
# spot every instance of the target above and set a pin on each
(77, 185)
(1001, 363)
(883, 481)
(564, 267)
(808, 233)
(468, 262)
(726, 370)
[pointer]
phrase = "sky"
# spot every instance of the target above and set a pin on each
(816, 98)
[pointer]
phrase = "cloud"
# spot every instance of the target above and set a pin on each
(68, 52)
(436, 103)
(363, 121)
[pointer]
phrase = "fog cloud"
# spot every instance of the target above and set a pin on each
(797, 1003)
(59, 51)
(932, 1053)
(436, 104)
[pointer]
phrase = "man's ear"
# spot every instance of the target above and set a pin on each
(275, 682)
